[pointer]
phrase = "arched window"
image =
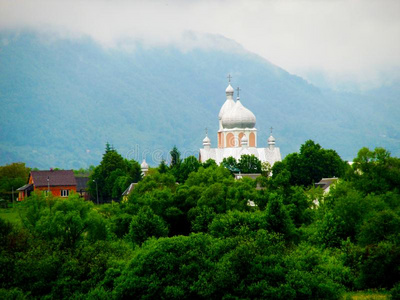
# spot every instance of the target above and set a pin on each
(230, 140)
(220, 140)
(252, 140)
(240, 138)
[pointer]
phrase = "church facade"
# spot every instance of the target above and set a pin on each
(237, 134)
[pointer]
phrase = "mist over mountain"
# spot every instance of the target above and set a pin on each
(63, 99)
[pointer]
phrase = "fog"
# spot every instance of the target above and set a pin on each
(333, 43)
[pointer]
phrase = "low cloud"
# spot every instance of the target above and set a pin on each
(341, 41)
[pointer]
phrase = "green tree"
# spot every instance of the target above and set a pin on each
(249, 164)
(375, 171)
(12, 176)
(278, 218)
(311, 164)
(231, 164)
(380, 266)
(146, 224)
(107, 176)
(64, 222)
(162, 168)
(175, 157)
(190, 164)
(209, 163)
(209, 176)
(235, 223)
(380, 226)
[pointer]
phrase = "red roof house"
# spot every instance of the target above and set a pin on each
(59, 182)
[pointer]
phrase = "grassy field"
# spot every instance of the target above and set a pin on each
(10, 214)
(366, 295)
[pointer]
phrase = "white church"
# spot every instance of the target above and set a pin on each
(237, 134)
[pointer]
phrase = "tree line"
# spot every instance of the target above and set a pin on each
(187, 231)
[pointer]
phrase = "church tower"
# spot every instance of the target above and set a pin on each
(236, 123)
(237, 133)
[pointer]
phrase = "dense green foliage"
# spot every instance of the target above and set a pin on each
(246, 164)
(113, 176)
(200, 239)
(310, 165)
(12, 177)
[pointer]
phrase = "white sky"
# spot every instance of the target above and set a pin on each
(335, 41)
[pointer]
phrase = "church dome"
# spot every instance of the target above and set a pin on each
(271, 140)
(229, 89)
(206, 140)
(238, 117)
(144, 165)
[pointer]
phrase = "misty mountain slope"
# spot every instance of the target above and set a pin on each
(62, 100)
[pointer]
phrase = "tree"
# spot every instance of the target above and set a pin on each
(209, 176)
(380, 266)
(249, 164)
(266, 169)
(209, 163)
(278, 218)
(134, 171)
(146, 224)
(175, 157)
(64, 222)
(235, 223)
(12, 176)
(231, 164)
(190, 164)
(381, 226)
(113, 175)
(163, 168)
(311, 165)
(375, 171)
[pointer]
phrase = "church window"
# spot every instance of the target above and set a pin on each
(252, 139)
(230, 140)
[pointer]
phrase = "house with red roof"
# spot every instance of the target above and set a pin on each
(58, 182)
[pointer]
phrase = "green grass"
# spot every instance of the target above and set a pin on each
(366, 295)
(11, 215)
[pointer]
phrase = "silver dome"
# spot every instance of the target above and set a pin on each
(238, 117)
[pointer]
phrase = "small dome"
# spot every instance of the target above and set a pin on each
(229, 89)
(238, 117)
(206, 140)
(244, 139)
(229, 103)
(271, 140)
(144, 164)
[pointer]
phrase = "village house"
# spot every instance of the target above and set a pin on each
(58, 182)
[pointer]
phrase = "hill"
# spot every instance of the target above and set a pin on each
(63, 99)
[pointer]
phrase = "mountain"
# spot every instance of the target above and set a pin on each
(63, 99)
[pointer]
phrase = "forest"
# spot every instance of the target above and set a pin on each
(187, 231)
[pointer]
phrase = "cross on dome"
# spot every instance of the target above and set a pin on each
(229, 78)
(271, 129)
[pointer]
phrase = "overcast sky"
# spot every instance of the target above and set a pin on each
(338, 41)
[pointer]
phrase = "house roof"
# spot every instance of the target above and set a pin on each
(56, 178)
(249, 175)
(81, 183)
(25, 187)
(129, 189)
(325, 182)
